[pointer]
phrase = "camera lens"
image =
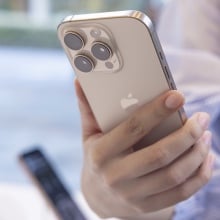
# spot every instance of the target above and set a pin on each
(83, 63)
(101, 51)
(74, 41)
(95, 33)
(109, 65)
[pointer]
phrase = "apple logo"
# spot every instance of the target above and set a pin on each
(129, 102)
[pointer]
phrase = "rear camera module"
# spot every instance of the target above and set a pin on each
(74, 41)
(83, 63)
(101, 51)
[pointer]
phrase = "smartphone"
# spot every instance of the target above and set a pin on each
(120, 65)
(51, 187)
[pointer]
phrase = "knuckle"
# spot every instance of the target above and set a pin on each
(134, 126)
(201, 152)
(161, 157)
(174, 176)
(160, 113)
(194, 132)
(110, 180)
(96, 159)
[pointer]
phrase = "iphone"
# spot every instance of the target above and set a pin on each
(120, 65)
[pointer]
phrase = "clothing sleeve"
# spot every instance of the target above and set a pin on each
(192, 48)
(197, 75)
(191, 25)
(204, 205)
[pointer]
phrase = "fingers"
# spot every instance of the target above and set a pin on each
(171, 176)
(89, 124)
(139, 124)
(180, 193)
(165, 151)
(183, 168)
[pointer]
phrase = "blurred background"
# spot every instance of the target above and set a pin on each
(37, 101)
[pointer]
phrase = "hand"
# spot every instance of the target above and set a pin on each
(118, 182)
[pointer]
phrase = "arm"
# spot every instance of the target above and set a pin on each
(118, 182)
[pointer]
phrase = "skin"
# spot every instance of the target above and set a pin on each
(146, 184)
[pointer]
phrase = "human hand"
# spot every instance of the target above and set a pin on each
(118, 182)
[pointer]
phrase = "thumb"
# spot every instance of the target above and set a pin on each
(89, 124)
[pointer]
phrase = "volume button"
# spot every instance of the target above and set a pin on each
(167, 72)
(161, 55)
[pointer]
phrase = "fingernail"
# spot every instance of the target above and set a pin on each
(203, 120)
(173, 101)
(207, 138)
(211, 162)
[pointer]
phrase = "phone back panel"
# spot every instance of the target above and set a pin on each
(139, 77)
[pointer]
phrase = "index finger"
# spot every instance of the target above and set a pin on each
(89, 125)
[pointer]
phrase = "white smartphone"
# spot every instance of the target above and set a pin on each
(120, 65)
